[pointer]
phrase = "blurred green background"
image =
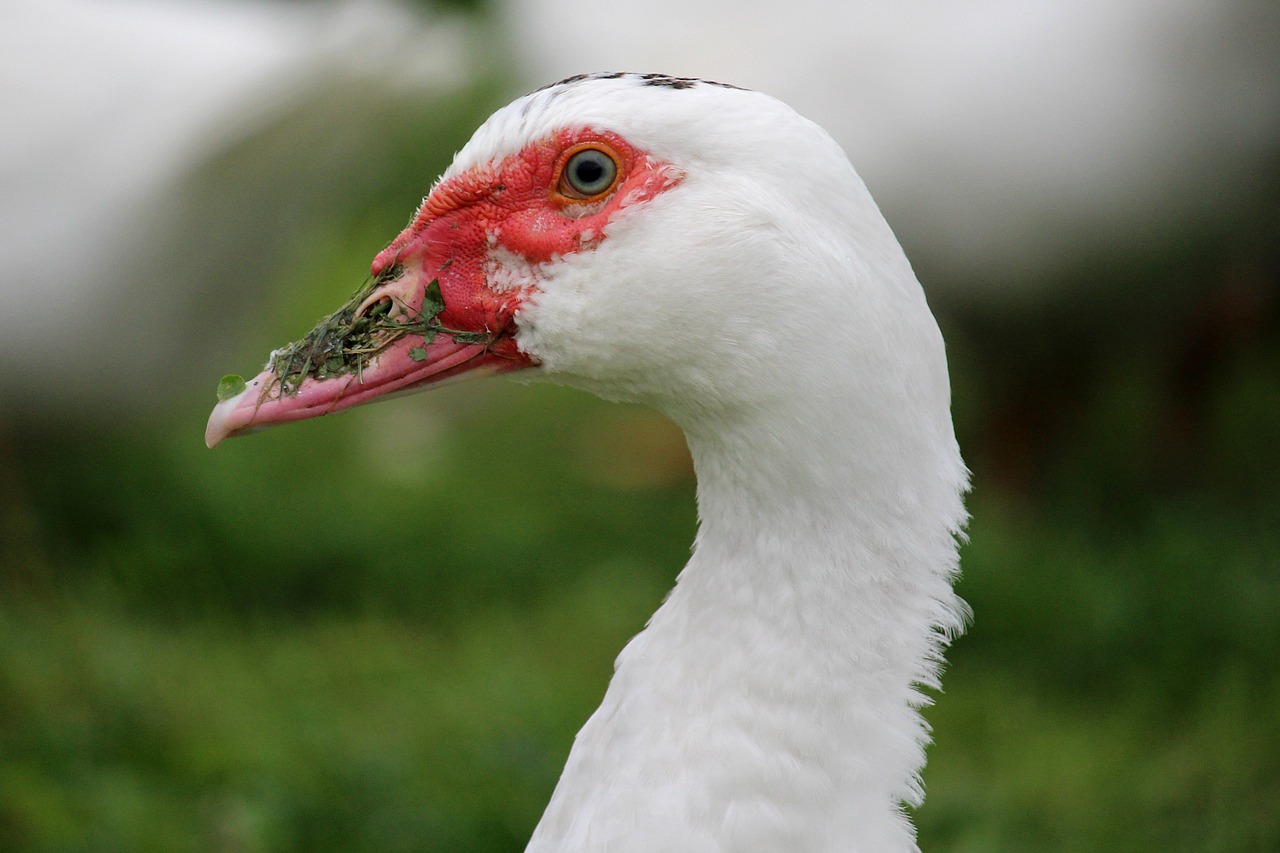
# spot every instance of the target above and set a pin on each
(381, 631)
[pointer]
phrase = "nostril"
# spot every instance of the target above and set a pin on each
(378, 309)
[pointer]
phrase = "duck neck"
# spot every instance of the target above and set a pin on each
(772, 701)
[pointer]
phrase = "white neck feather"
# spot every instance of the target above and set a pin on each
(771, 703)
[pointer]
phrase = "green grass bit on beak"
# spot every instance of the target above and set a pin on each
(230, 385)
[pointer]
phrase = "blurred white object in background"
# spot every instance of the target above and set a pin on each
(155, 155)
(109, 112)
(1002, 138)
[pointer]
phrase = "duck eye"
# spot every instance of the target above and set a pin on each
(587, 174)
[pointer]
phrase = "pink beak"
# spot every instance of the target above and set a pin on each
(381, 344)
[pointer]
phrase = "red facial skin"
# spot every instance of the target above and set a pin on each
(518, 201)
(520, 205)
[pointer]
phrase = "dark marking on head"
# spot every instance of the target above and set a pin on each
(667, 81)
(673, 82)
(577, 78)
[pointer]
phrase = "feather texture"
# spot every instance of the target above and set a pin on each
(765, 306)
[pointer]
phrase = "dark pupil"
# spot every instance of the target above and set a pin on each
(588, 171)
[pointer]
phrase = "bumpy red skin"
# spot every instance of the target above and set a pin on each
(515, 205)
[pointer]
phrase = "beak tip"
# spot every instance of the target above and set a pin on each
(223, 421)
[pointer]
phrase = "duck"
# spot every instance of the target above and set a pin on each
(704, 250)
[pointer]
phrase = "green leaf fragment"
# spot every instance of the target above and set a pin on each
(418, 354)
(432, 301)
(469, 337)
(230, 385)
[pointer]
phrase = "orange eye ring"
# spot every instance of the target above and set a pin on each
(587, 172)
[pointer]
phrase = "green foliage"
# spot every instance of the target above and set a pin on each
(343, 343)
(380, 633)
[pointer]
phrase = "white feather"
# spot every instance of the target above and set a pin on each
(764, 305)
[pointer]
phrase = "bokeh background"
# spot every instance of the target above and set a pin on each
(380, 632)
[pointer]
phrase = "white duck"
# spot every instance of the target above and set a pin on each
(705, 250)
